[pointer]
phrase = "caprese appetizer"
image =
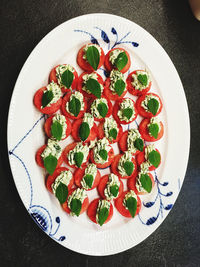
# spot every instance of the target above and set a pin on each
(101, 108)
(138, 82)
(151, 129)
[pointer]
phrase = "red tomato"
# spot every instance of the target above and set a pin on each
(83, 64)
(102, 166)
(67, 114)
(143, 128)
(52, 77)
(122, 210)
(38, 102)
(140, 158)
(66, 151)
(101, 133)
(109, 109)
(48, 123)
(132, 89)
(109, 93)
(80, 84)
(123, 143)
(132, 184)
(142, 111)
(80, 173)
(108, 65)
(114, 167)
(92, 210)
(116, 109)
(75, 131)
(84, 206)
(39, 159)
(51, 178)
(102, 185)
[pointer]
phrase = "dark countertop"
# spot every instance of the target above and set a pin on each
(176, 241)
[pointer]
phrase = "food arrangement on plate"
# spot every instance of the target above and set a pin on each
(93, 112)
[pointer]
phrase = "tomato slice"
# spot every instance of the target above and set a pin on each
(110, 108)
(38, 102)
(52, 77)
(116, 109)
(92, 210)
(80, 84)
(109, 93)
(75, 131)
(83, 64)
(132, 89)
(143, 129)
(132, 184)
(114, 167)
(84, 206)
(102, 166)
(140, 158)
(39, 159)
(79, 174)
(101, 133)
(102, 185)
(122, 210)
(51, 178)
(142, 111)
(66, 113)
(108, 65)
(123, 145)
(48, 123)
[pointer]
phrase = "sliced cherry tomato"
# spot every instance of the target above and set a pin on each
(102, 185)
(109, 66)
(142, 112)
(120, 206)
(80, 84)
(123, 146)
(92, 211)
(116, 108)
(109, 93)
(102, 166)
(84, 206)
(48, 123)
(109, 109)
(51, 178)
(52, 77)
(101, 133)
(143, 129)
(75, 131)
(140, 158)
(83, 64)
(38, 103)
(132, 184)
(80, 173)
(40, 161)
(132, 89)
(66, 113)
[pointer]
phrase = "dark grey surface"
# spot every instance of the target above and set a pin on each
(23, 24)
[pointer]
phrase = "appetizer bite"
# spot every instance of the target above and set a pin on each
(101, 108)
(151, 129)
(138, 82)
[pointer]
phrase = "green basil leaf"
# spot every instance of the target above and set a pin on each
(119, 87)
(84, 131)
(131, 204)
(50, 163)
(62, 192)
(103, 109)
(128, 167)
(67, 78)
(75, 106)
(93, 57)
(127, 112)
(121, 61)
(146, 182)
(142, 78)
(78, 157)
(75, 206)
(103, 215)
(103, 154)
(46, 98)
(154, 129)
(139, 144)
(88, 180)
(114, 189)
(153, 105)
(113, 133)
(94, 87)
(56, 130)
(154, 158)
